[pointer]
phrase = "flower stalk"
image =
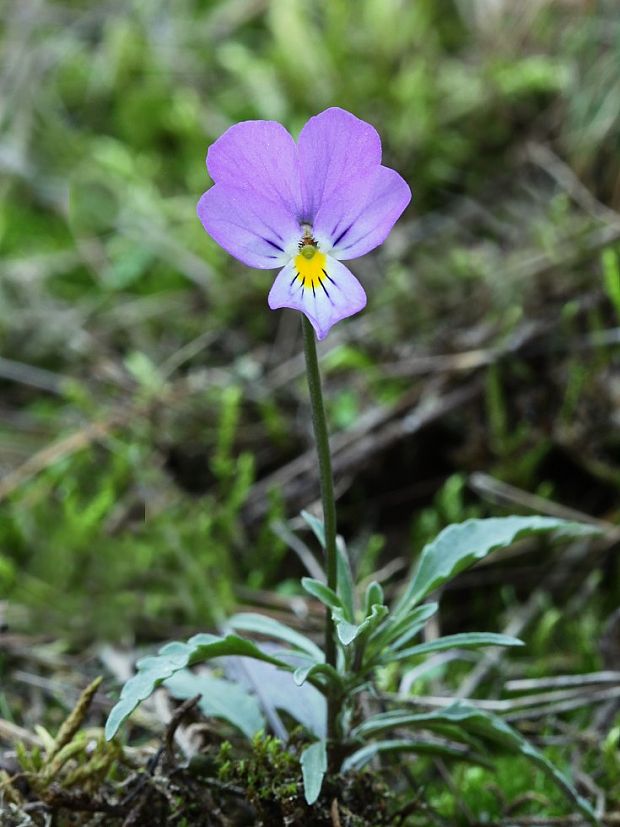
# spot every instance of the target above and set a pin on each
(319, 423)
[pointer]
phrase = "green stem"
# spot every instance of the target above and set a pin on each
(319, 423)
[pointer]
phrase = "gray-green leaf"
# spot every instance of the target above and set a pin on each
(421, 746)
(263, 625)
(154, 670)
(346, 584)
(322, 592)
(316, 525)
(466, 640)
(219, 698)
(461, 544)
(483, 725)
(302, 673)
(348, 632)
(401, 631)
(374, 594)
(313, 769)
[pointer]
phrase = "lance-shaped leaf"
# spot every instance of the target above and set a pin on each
(346, 585)
(313, 769)
(276, 690)
(154, 670)
(420, 746)
(219, 698)
(331, 676)
(399, 632)
(317, 526)
(461, 544)
(385, 722)
(466, 640)
(348, 632)
(374, 595)
(482, 725)
(322, 592)
(267, 626)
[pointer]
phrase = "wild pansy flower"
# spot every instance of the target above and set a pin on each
(304, 206)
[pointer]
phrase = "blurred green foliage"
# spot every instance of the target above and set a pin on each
(135, 318)
(145, 387)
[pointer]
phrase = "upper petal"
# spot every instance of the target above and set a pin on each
(338, 296)
(335, 149)
(259, 156)
(355, 229)
(259, 232)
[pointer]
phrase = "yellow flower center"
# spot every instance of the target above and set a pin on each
(310, 267)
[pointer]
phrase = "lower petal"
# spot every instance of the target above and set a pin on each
(333, 297)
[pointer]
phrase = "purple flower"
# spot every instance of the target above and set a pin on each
(303, 206)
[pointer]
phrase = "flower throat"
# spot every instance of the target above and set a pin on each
(310, 263)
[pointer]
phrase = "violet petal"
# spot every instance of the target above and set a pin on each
(259, 232)
(357, 231)
(335, 149)
(261, 157)
(340, 295)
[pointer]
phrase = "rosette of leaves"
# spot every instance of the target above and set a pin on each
(372, 635)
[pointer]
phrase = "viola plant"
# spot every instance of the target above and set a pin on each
(304, 207)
